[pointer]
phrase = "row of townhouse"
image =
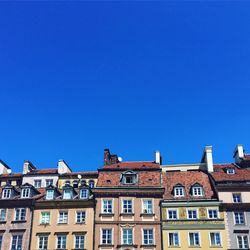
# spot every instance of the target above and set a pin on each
(127, 205)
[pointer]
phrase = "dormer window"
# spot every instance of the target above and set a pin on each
(91, 184)
(26, 193)
(129, 177)
(6, 193)
(197, 190)
(179, 191)
(50, 194)
(75, 184)
(84, 193)
(67, 194)
(230, 171)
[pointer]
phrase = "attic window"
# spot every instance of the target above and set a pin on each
(67, 194)
(50, 194)
(75, 184)
(129, 177)
(230, 171)
(108, 181)
(179, 191)
(91, 184)
(26, 193)
(6, 193)
(197, 190)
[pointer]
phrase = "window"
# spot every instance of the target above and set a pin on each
(197, 190)
(48, 182)
(6, 193)
(17, 240)
(2, 215)
(127, 206)
(107, 236)
(192, 214)
(172, 214)
(236, 198)
(127, 236)
(239, 218)
(1, 239)
(37, 183)
(75, 184)
(107, 206)
(43, 242)
(63, 217)
(215, 240)
(194, 239)
(173, 239)
(50, 194)
(79, 241)
(148, 238)
(80, 216)
(26, 193)
(20, 214)
(242, 241)
(67, 194)
(91, 184)
(213, 214)
(230, 171)
(147, 207)
(129, 177)
(178, 191)
(84, 193)
(61, 241)
(45, 217)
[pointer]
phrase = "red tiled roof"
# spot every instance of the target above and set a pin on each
(145, 179)
(11, 175)
(220, 174)
(134, 165)
(187, 180)
(44, 171)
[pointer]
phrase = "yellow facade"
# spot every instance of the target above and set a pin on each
(70, 180)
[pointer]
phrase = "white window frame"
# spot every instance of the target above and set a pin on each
(79, 246)
(44, 220)
(123, 240)
(195, 232)
(20, 214)
(179, 191)
(67, 192)
(210, 241)
(196, 211)
(50, 194)
(126, 208)
(26, 193)
(143, 238)
(63, 217)
(239, 194)
(87, 193)
(230, 171)
(174, 245)
(177, 214)
(107, 206)
(48, 182)
(43, 241)
(57, 240)
(102, 239)
(3, 212)
(91, 183)
(6, 193)
(82, 218)
(197, 193)
(244, 219)
(18, 235)
(242, 235)
(144, 206)
(213, 209)
(39, 181)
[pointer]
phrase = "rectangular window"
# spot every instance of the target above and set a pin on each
(50, 194)
(147, 206)
(67, 194)
(172, 214)
(1, 239)
(2, 214)
(212, 213)
(6, 193)
(43, 242)
(107, 206)
(178, 191)
(79, 241)
(192, 214)
(194, 239)
(84, 193)
(127, 236)
(107, 236)
(26, 193)
(230, 171)
(215, 240)
(80, 216)
(45, 217)
(48, 182)
(37, 183)
(239, 218)
(173, 239)
(127, 206)
(242, 241)
(197, 191)
(61, 241)
(148, 238)
(236, 198)
(17, 241)
(63, 217)
(20, 214)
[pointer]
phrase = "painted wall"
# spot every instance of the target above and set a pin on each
(43, 178)
(227, 197)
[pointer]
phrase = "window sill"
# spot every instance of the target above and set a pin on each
(3, 222)
(106, 245)
(145, 246)
(147, 214)
(44, 224)
(18, 221)
(80, 223)
(62, 223)
(107, 214)
(127, 245)
(127, 214)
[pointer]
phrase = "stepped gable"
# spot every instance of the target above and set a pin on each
(187, 179)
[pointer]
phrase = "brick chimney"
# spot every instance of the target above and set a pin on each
(109, 159)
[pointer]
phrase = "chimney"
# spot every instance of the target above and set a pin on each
(158, 157)
(63, 167)
(238, 153)
(28, 167)
(109, 159)
(4, 168)
(207, 158)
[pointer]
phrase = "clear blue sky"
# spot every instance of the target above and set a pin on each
(77, 77)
